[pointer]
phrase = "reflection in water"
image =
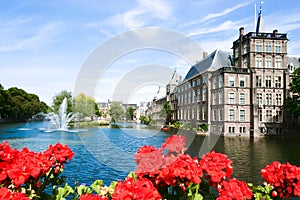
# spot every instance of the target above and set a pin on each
(249, 156)
(94, 160)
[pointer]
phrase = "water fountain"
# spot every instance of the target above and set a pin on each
(60, 121)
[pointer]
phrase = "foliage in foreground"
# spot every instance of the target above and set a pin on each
(161, 173)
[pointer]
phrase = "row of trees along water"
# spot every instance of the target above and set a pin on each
(18, 105)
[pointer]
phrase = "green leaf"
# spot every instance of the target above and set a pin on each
(198, 197)
(96, 186)
(83, 190)
(64, 192)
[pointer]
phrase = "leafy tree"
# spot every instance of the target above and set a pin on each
(58, 99)
(116, 111)
(130, 112)
(1, 87)
(17, 104)
(293, 104)
(84, 106)
(145, 120)
(166, 112)
(97, 112)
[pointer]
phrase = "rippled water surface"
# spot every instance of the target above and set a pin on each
(107, 154)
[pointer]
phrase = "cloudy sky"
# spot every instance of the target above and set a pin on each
(44, 44)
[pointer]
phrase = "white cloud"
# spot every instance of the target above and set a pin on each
(143, 14)
(219, 14)
(227, 25)
(33, 37)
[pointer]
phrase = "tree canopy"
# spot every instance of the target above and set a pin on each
(18, 105)
(293, 104)
(116, 111)
(85, 106)
(58, 99)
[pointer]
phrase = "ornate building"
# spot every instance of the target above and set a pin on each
(239, 93)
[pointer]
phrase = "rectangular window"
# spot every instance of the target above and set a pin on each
(258, 81)
(215, 115)
(268, 81)
(242, 98)
(204, 79)
(277, 48)
(194, 96)
(268, 47)
(277, 62)
(198, 81)
(268, 99)
(242, 129)
(278, 100)
(242, 115)
(259, 99)
(231, 98)
(278, 81)
(204, 113)
(269, 115)
(214, 82)
(260, 115)
(258, 62)
(199, 95)
(214, 98)
(194, 83)
(221, 114)
(231, 129)
(258, 46)
(220, 81)
(220, 97)
(278, 116)
(231, 81)
(204, 94)
(268, 62)
(231, 115)
(242, 81)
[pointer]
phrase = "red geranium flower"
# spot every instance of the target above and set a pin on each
(234, 189)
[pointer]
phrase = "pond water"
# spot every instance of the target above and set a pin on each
(107, 154)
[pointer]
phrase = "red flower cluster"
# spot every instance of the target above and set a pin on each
(18, 167)
(131, 189)
(168, 166)
(284, 177)
(216, 167)
(5, 194)
(92, 197)
(234, 189)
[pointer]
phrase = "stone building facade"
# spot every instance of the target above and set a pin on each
(238, 92)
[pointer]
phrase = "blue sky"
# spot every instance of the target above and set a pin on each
(44, 43)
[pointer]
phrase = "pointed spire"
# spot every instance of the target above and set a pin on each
(259, 25)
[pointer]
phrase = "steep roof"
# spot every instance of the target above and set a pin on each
(216, 60)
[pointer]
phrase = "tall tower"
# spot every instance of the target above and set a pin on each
(265, 54)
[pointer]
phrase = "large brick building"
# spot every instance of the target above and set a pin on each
(240, 92)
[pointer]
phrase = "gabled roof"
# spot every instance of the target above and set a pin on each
(216, 60)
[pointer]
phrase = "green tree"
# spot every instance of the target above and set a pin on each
(84, 106)
(97, 112)
(17, 104)
(293, 104)
(166, 112)
(130, 113)
(116, 111)
(58, 99)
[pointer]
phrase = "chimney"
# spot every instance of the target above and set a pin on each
(275, 31)
(205, 54)
(242, 31)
